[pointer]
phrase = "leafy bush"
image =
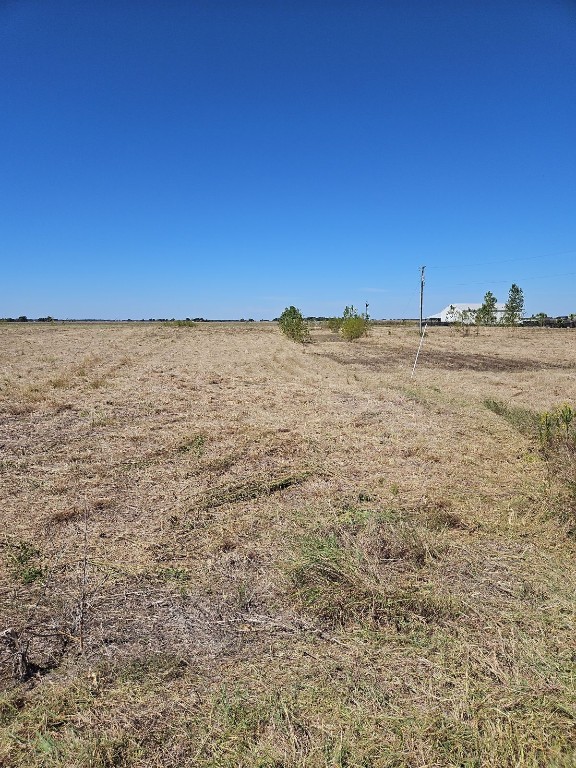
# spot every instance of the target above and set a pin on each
(353, 324)
(335, 323)
(181, 323)
(293, 325)
(354, 328)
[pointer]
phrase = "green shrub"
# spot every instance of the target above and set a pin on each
(293, 325)
(354, 325)
(180, 323)
(334, 324)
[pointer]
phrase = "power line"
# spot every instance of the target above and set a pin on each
(503, 282)
(502, 261)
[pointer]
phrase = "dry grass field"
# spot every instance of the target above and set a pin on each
(220, 548)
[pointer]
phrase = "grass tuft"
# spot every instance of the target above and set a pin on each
(24, 559)
(344, 585)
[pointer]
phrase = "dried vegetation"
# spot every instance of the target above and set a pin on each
(223, 549)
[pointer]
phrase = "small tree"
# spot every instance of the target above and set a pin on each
(293, 325)
(461, 318)
(540, 318)
(486, 315)
(453, 315)
(514, 307)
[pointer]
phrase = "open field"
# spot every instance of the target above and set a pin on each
(220, 548)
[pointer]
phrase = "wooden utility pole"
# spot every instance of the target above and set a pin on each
(421, 295)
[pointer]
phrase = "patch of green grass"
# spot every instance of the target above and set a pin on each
(334, 324)
(344, 584)
(327, 713)
(23, 558)
(415, 396)
(174, 574)
(524, 420)
(557, 434)
(354, 517)
(193, 445)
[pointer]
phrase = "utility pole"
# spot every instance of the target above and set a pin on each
(421, 295)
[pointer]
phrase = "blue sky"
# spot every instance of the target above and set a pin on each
(165, 158)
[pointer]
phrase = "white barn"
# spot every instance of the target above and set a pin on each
(465, 312)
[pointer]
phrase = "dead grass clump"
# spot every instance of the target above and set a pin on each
(63, 381)
(391, 535)
(87, 364)
(62, 407)
(16, 408)
(47, 728)
(33, 394)
(331, 715)
(97, 382)
(400, 542)
(66, 515)
(439, 515)
(230, 494)
(150, 671)
(76, 511)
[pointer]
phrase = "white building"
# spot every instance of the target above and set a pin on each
(464, 312)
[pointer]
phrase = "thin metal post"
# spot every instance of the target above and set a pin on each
(419, 348)
(421, 294)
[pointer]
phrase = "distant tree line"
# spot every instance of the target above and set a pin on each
(24, 319)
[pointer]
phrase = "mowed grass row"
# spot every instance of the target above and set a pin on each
(236, 552)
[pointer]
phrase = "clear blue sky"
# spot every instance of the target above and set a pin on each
(172, 158)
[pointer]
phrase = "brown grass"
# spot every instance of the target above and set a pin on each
(223, 549)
